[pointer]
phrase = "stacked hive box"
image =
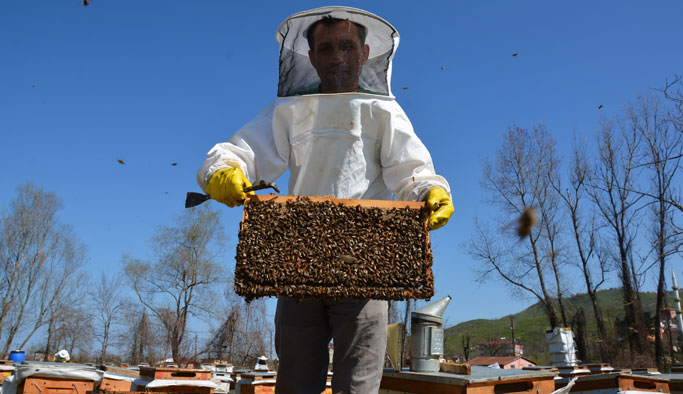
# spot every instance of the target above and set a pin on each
(257, 383)
(176, 380)
(330, 248)
(481, 380)
(613, 382)
(52, 378)
(6, 369)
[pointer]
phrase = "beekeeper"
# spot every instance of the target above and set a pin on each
(338, 129)
(61, 356)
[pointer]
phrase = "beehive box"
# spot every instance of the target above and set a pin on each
(51, 385)
(257, 383)
(615, 382)
(321, 247)
(481, 380)
(116, 382)
(119, 370)
(6, 369)
(152, 373)
(176, 380)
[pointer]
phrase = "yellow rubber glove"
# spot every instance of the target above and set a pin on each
(227, 186)
(440, 205)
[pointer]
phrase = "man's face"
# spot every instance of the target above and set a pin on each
(338, 57)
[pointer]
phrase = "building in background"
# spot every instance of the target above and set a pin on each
(509, 362)
(499, 348)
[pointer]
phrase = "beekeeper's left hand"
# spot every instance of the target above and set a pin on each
(440, 205)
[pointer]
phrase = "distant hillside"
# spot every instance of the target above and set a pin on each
(531, 324)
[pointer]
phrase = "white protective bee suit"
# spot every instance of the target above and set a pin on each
(349, 145)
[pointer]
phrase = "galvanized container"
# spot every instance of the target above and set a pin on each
(426, 336)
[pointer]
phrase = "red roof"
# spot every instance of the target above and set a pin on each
(485, 361)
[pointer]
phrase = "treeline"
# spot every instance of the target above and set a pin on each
(49, 301)
(528, 329)
(612, 209)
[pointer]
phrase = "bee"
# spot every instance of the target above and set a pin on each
(514, 54)
(526, 221)
(121, 161)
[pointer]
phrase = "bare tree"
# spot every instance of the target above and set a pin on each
(179, 283)
(579, 328)
(493, 347)
(465, 339)
(551, 240)
(107, 307)
(73, 330)
(140, 337)
(585, 231)
(40, 257)
(409, 304)
(610, 188)
(221, 343)
(661, 156)
(68, 323)
(673, 92)
(245, 333)
(520, 180)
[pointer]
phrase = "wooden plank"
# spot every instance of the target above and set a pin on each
(615, 381)
(643, 383)
(388, 204)
(152, 373)
(257, 389)
(109, 384)
(258, 376)
(33, 385)
(467, 384)
(451, 367)
(518, 386)
(594, 382)
(400, 385)
(180, 389)
(119, 370)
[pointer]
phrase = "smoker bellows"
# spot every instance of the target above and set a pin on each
(330, 248)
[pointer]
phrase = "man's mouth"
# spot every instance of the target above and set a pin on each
(339, 71)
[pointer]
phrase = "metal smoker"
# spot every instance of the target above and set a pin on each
(426, 336)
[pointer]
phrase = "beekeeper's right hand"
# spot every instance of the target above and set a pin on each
(227, 186)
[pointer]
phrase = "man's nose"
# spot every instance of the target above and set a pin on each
(338, 56)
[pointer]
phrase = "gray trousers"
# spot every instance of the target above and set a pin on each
(303, 331)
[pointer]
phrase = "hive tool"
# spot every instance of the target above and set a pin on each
(193, 199)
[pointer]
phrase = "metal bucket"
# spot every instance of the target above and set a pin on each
(426, 336)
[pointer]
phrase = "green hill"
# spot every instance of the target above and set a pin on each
(532, 323)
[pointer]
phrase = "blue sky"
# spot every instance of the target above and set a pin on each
(160, 82)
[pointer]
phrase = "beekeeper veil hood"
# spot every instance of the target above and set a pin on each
(298, 75)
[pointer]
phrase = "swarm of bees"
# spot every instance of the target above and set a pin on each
(306, 249)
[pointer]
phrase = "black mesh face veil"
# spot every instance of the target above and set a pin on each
(297, 75)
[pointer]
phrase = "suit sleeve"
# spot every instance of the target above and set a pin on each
(254, 149)
(407, 166)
